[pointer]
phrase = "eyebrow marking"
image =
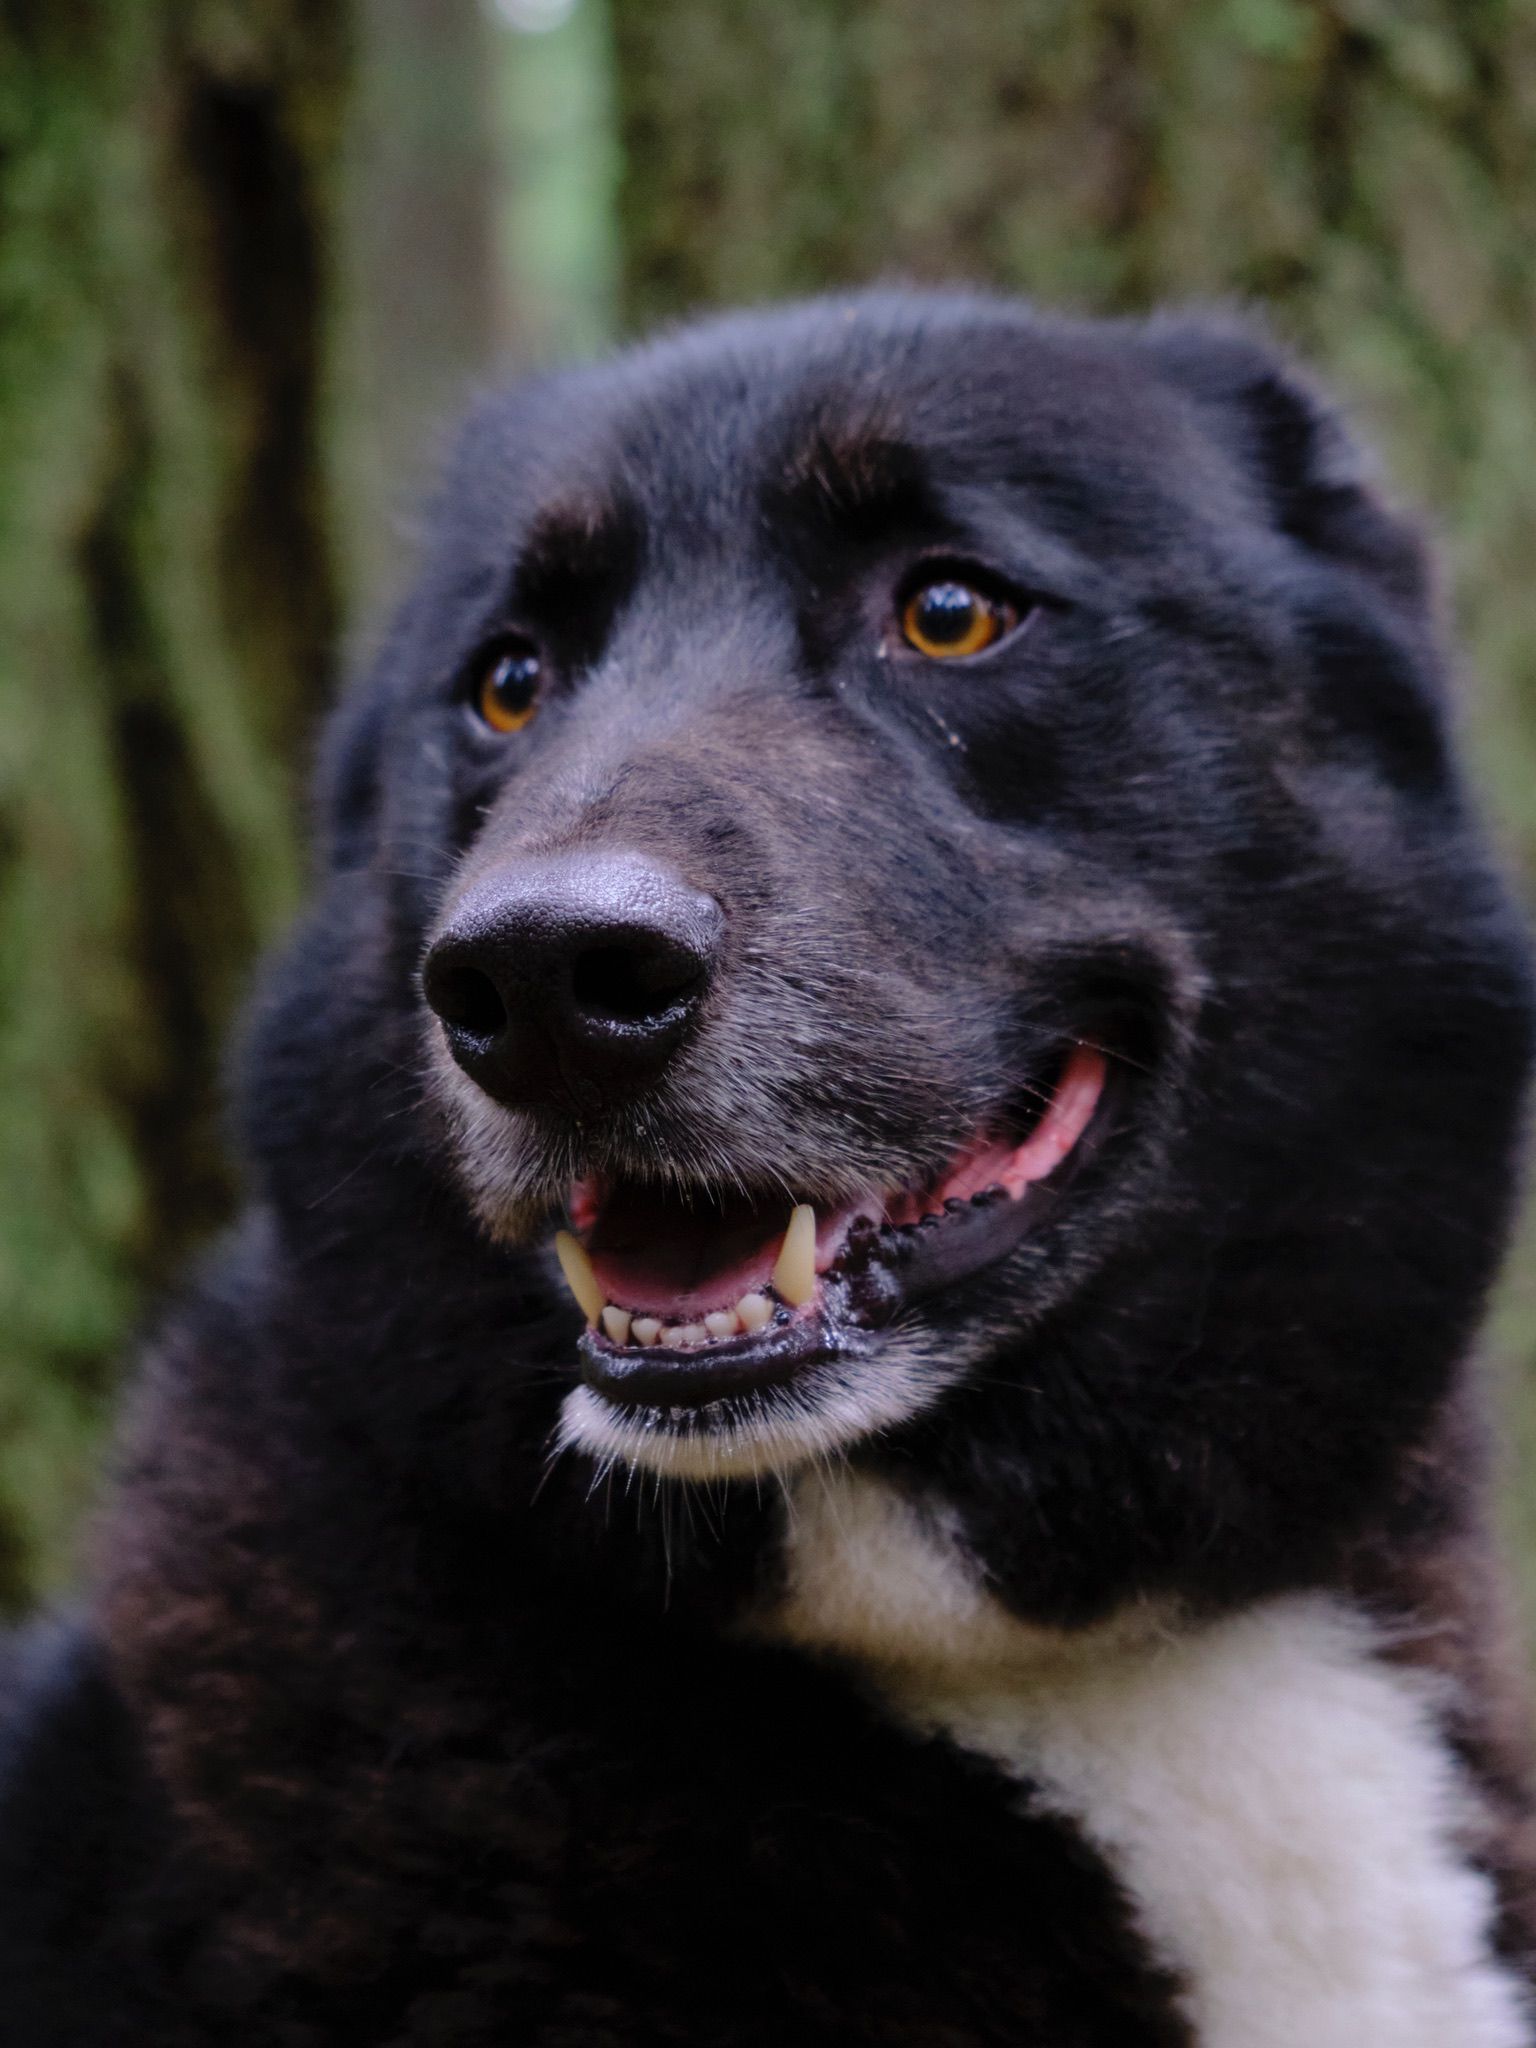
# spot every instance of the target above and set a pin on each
(578, 562)
(853, 470)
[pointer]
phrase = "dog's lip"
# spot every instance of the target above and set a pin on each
(663, 1377)
(869, 1266)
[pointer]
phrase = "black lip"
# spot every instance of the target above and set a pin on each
(878, 1273)
(632, 1377)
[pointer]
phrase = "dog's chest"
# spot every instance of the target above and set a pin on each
(1275, 1800)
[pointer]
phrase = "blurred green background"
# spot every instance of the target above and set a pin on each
(255, 253)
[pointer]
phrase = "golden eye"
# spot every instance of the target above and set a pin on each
(948, 619)
(507, 694)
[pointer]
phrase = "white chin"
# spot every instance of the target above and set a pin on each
(751, 1437)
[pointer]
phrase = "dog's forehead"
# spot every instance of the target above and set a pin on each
(718, 428)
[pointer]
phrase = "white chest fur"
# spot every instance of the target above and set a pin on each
(1275, 1799)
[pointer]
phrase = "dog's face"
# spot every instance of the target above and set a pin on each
(920, 841)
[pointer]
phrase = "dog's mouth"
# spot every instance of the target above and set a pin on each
(689, 1304)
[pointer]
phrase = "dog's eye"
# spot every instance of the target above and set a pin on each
(947, 619)
(506, 694)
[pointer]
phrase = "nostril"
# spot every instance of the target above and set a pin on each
(466, 1000)
(566, 982)
(634, 985)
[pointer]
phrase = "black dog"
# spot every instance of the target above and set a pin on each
(911, 847)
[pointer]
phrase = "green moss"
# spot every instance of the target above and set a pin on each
(146, 816)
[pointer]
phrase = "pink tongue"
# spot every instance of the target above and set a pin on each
(679, 1262)
(994, 1163)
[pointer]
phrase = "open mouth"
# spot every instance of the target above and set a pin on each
(689, 1305)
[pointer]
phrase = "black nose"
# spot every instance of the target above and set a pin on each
(571, 980)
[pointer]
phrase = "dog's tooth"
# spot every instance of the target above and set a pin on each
(722, 1322)
(616, 1321)
(683, 1335)
(754, 1311)
(579, 1276)
(795, 1273)
(646, 1329)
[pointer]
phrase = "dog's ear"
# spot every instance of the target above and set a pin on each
(1369, 621)
(1320, 484)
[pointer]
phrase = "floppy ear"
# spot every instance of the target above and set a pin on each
(1321, 486)
(1368, 619)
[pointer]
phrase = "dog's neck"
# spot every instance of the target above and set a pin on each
(1278, 1800)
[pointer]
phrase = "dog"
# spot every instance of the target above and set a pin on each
(843, 1410)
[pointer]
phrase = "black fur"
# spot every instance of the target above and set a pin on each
(399, 1731)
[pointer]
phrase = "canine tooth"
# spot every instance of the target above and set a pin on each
(616, 1322)
(795, 1274)
(754, 1311)
(645, 1329)
(723, 1322)
(682, 1335)
(579, 1276)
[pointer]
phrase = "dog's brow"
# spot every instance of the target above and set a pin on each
(586, 540)
(850, 472)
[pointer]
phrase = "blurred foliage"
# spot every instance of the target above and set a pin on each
(251, 256)
(476, 238)
(414, 304)
(166, 614)
(1362, 171)
(559, 233)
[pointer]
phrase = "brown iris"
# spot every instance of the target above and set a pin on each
(947, 619)
(507, 694)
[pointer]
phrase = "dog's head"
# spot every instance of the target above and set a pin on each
(916, 846)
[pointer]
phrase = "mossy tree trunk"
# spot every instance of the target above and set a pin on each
(168, 613)
(1364, 172)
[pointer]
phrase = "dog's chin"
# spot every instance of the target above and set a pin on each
(843, 1396)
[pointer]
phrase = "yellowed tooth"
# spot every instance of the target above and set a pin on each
(795, 1274)
(722, 1323)
(682, 1335)
(754, 1311)
(646, 1329)
(579, 1276)
(616, 1322)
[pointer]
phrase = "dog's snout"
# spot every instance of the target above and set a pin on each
(572, 980)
